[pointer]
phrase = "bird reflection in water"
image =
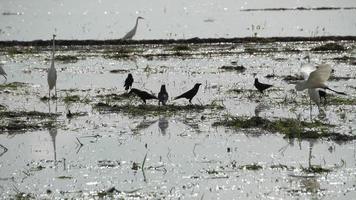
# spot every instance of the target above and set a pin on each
(53, 133)
(259, 108)
(163, 125)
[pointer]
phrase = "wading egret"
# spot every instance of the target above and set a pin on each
(317, 79)
(261, 86)
(163, 96)
(2, 71)
(142, 94)
(52, 73)
(128, 82)
(190, 93)
(132, 33)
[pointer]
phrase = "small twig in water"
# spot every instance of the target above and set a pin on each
(5, 150)
(143, 169)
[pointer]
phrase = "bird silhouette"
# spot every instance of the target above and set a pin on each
(261, 86)
(2, 72)
(128, 82)
(163, 95)
(190, 93)
(132, 33)
(52, 73)
(142, 94)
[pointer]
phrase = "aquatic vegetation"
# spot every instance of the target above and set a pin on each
(329, 47)
(316, 169)
(12, 86)
(290, 128)
(154, 110)
(238, 68)
(23, 120)
(66, 58)
(253, 167)
(181, 47)
(119, 71)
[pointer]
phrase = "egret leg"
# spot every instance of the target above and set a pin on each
(55, 91)
(49, 94)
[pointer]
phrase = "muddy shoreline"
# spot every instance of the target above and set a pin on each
(179, 41)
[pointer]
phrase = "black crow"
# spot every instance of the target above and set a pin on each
(190, 94)
(162, 95)
(142, 94)
(128, 82)
(261, 86)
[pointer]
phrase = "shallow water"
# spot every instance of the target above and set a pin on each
(187, 157)
(111, 19)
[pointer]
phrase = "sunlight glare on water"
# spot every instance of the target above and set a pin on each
(109, 19)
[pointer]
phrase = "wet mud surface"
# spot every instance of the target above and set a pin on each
(94, 140)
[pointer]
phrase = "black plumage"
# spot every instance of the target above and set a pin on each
(142, 94)
(261, 86)
(322, 95)
(163, 95)
(128, 82)
(190, 94)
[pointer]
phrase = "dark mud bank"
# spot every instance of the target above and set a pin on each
(180, 41)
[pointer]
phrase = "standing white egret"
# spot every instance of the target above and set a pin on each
(317, 79)
(2, 71)
(52, 73)
(132, 33)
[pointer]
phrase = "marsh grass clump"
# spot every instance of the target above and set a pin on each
(75, 99)
(182, 47)
(316, 169)
(290, 128)
(119, 71)
(23, 120)
(12, 86)
(66, 58)
(253, 167)
(329, 47)
(120, 53)
(338, 100)
(154, 110)
(238, 68)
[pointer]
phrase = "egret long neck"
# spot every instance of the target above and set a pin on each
(136, 23)
(53, 49)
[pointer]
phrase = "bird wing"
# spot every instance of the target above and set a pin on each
(306, 70)
(319, 76)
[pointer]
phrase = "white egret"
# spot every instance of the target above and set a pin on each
(2, 71)
(52, 73)
(317, 79)
(132, 33)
